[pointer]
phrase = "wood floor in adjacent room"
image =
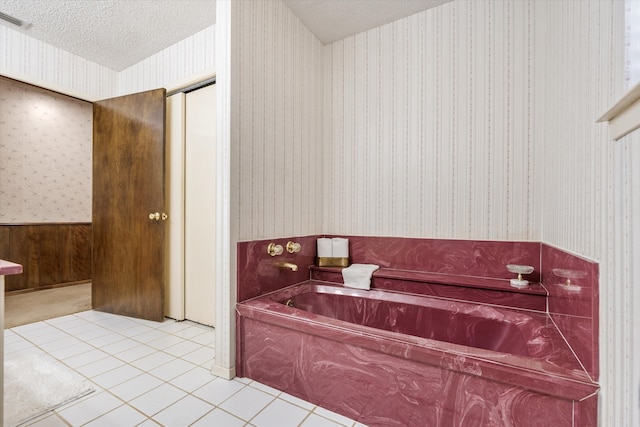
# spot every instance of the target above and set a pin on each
(30, 307)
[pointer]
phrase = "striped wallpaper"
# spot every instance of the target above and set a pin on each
(589, 180)
(270, 75)
(430, 127)
(276, 133)
(632, 46)
(620, 300)
(24, 57)
(181, 60)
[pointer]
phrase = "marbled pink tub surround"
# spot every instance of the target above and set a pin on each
(477, 258)
(258, 272)
(388, 358)
(461, 269)
(574, 308)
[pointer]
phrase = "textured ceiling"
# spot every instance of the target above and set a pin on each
(332, 20)
(121, 33)
(112, 33)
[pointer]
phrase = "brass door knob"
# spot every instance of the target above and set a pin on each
(154, 216)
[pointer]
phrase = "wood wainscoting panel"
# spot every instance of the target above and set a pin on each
(4, 241)
(51, 254)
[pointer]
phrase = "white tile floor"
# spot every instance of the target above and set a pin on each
(148, 374)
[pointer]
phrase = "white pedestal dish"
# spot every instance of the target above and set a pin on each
(519, 270)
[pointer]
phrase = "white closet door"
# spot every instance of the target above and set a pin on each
(174, 203)
(199, 213)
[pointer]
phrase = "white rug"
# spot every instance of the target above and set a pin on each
(33, 386)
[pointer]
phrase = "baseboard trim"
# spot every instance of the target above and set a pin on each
(222, 372)
(45, 287)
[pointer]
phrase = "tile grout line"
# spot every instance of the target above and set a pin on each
(89, 321)
(107, 390)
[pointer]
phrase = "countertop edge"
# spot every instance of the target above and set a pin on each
(8, 268)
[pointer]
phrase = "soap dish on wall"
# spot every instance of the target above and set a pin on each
(519, 270)
(570, 275)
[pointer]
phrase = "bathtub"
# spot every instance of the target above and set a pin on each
(387, 358)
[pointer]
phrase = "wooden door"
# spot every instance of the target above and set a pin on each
(128, 186)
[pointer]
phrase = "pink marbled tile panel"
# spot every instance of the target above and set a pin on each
(484, 259)
(382, 389)
(465, 288)
(377, 390)
(470, 324)
(258, 272)
(327, 274)
(585, 412)
(464, 257)
(575, 308)
(489, 283)
(551, 368)
(465, 293)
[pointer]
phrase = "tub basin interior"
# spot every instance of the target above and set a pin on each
(481, 328)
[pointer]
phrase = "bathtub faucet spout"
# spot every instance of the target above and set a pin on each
(287, 265)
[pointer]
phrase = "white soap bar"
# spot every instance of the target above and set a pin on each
(340, 247)
(325, 247)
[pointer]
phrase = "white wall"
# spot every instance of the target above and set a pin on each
(620, 299)
(45, 155)
(579, 76)
(224, 364)
(189, 57)
(25, 58)
(269, 77)
(589, 180)
(429, 126)
(276, 133)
